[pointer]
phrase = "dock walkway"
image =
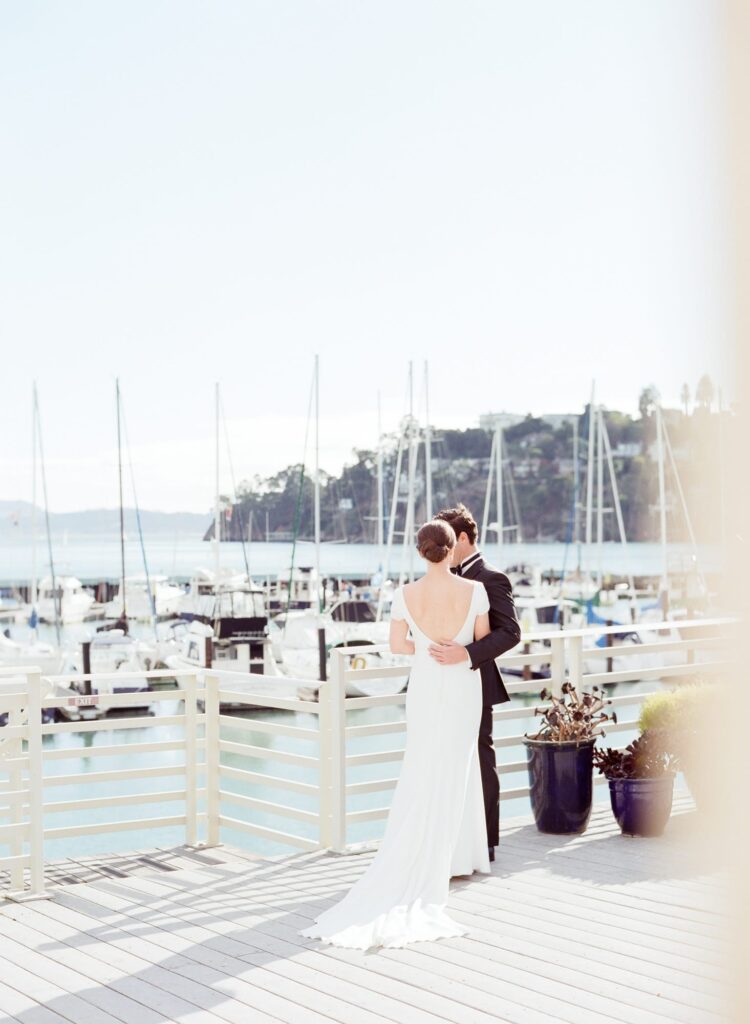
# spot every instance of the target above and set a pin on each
(586, 930)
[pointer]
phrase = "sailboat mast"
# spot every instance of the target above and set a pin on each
(616, 496)
(662, 495)
(34, 576)
(427, 444)
(576, 497)
(379, 534)
(590, 478)
(600, 493)
(317, 483)
(392, 524)
(56, 590)
(217, 500)
(122, 510)
(488, 492)
(409, 525)
(499, 484)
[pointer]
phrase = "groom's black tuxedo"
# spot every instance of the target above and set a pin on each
(505, 631)
(505, 634)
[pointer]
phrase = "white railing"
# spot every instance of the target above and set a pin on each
(208, 788)
(565, 656)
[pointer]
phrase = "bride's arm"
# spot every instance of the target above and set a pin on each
(398, 640)
(482, 626)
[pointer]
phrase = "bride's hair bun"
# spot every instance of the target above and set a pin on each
(435, 540)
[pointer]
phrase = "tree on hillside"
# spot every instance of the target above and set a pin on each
(685, 397)
(647, 401)
(704, 392)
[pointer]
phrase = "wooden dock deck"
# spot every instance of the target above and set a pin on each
(585, 930)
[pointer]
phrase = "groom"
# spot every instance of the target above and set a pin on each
(505, 634)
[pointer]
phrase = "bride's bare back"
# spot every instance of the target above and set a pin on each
(439, 605)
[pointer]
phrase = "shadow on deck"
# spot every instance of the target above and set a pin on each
(580, 929)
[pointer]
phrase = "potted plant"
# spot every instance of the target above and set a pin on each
(678, 715)
(641, 780)
(560, 758)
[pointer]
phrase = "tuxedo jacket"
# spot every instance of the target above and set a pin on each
(505, 630)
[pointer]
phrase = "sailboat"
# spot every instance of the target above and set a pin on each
(144, 596)
(63, 599)
(223, 617)
(47, 657)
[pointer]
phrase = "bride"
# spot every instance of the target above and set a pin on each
(436, 826)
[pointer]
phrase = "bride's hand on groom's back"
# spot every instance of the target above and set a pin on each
(448, 652)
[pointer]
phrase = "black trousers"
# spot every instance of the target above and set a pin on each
(490, 781)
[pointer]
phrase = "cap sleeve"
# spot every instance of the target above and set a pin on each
(482, 601)
(398, 610)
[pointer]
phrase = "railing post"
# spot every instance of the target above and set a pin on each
(337, 748)
(35, 794)
(212, 760)
(325, 741)
(557, 663)
(191, 760)
(36, 783)
(575, 661)
(15, 785)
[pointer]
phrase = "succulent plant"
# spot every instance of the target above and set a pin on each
(570, 717)
(647, 757)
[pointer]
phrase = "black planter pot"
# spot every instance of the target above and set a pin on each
(642, 806)
(560, 777)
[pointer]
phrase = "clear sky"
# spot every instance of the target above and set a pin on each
(529, 195)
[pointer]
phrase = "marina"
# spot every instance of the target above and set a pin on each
(373, 556)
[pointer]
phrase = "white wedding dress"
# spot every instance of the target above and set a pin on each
(436, 825)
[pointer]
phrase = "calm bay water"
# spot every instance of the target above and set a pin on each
(97, 558)
(158, 837)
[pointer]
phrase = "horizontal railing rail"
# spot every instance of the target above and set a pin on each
(278, 780)
(566, 657)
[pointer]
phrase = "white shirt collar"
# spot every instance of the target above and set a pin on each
(469, 561)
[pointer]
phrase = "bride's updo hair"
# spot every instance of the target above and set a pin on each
(435, 540)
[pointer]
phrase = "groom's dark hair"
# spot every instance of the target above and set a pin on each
(461, 520)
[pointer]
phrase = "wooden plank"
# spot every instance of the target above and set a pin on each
(214, 935)
(254, 998)
(681, 1014)
(29, 1011)
(67, 992)
(123, 954)
(214, 962)
(563, 914)
(447, 1008)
